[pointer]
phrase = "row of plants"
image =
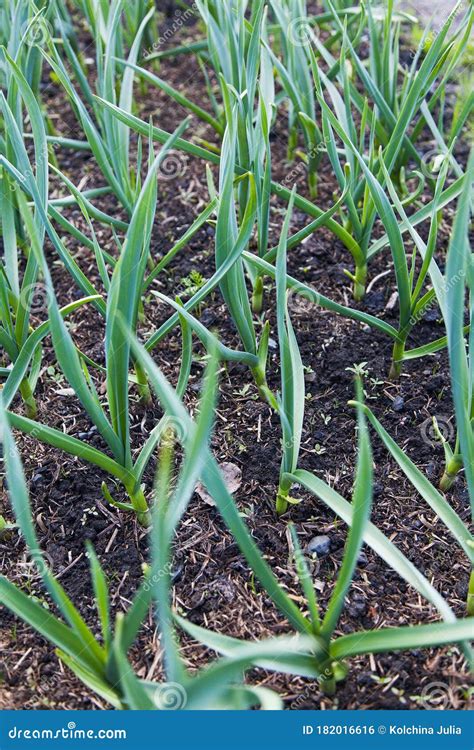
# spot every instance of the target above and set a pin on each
(338, 78)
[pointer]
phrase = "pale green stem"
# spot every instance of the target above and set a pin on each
(29, 399)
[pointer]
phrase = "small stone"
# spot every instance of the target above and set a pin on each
(357, 606)
(319, 545)
(378, 489)
(362, 558)
(398, 403)
(432, 314)
(432, 470)
(375, 301)
(208, 317)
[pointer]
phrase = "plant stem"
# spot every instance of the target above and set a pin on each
(453, 467)
(397, 356)
(281, 503)
(470, 596)
(360, 281)
(257, 297)
(142, 384)
(327, 679)
(312, 181)
(29, 399)
(140, 506)
(292, 143)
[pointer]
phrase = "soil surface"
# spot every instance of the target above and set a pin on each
(213, 585)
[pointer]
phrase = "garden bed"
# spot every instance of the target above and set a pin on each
(212, 583)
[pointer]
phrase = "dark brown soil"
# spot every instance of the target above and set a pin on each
(212, 582)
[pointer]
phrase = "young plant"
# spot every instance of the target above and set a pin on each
(108, 139)
(459, 277)
(435, 499)
(98, 15)
(292, 398)
(326, 660)
(101, 662)
(413, 299)
(295, 31)
(124, 295)
(386, 110)
(21, 292)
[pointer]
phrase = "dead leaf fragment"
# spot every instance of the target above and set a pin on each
(232, 475)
